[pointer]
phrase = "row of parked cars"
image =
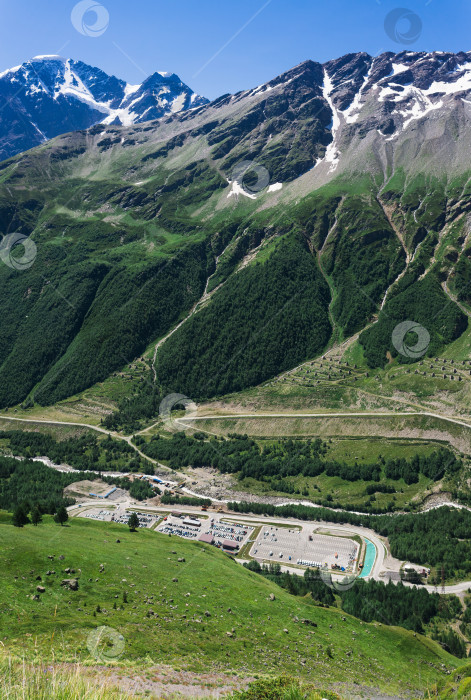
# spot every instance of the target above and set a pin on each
(180, 530)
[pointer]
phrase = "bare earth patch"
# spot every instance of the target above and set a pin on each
(165, 682)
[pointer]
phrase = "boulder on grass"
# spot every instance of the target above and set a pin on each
(70, 583)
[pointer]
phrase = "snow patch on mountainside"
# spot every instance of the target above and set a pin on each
(421, 106)
(72, 86)
(448, 88)
(352, 112)
(237, 189)
(331, 153)
(130, 89)
(394, 92)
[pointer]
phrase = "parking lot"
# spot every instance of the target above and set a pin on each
(305, 548)
(288, 546)
(229, 531)
(180, 526)
(145, 519)
(97, 514)
(218, 528)
(191, 533)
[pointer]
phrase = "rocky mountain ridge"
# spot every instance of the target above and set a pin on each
(51, 95)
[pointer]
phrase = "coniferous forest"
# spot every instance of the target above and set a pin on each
(281, 319)
(245, 457)
(83, 452)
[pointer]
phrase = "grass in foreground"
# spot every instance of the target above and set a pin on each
(204, 613)
(28, 682)
(21, 681)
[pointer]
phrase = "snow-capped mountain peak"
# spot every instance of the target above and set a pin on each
(49, 95)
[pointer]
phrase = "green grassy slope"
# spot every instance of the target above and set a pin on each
(185, 623)
(456, 687)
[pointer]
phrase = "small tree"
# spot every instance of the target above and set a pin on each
(36, 516)
(133, 522)
(19, 517)
(61, 516)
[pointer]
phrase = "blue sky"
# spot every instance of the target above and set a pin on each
(224, 46)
